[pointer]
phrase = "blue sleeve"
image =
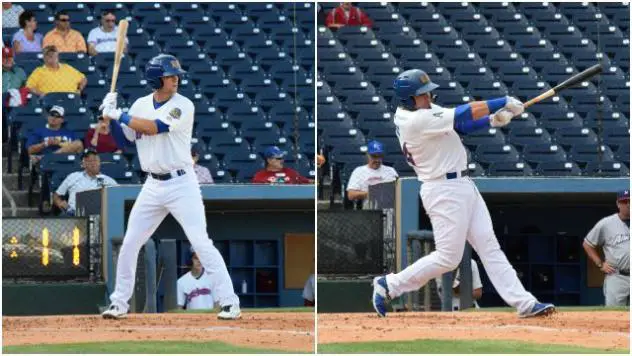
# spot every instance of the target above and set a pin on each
(162, 127)
(464, 123)
(119, 136)
(496, 104)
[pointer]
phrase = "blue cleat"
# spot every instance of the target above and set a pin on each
(539, 309)
(380, 295)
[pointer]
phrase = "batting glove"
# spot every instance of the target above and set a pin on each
(514, 105)
(112, 112)
(500, 118)
(108, 100)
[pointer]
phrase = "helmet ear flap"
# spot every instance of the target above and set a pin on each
(409, 103)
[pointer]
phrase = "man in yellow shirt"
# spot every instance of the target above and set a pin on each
(55, 77)
(63, 37)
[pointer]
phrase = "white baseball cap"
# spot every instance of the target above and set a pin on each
(57, 109)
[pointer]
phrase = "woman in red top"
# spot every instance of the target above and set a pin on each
(275, 173)
(101, 139)
(347, 15)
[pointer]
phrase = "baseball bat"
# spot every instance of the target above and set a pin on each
(120, 46)
(570, 82)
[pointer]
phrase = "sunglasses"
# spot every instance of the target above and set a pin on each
(64, 20)
(110, 21)
(377, 156)
(57, 116)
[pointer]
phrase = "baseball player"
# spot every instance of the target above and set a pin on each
(374, 172)
(161, 124)
(429, 137)
(194, 287)
(613, 234)
(477, 287)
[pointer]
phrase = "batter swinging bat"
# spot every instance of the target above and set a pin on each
(570, 82)
(120, 45)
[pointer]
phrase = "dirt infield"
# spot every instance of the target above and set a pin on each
(279, 331)
(603, 329)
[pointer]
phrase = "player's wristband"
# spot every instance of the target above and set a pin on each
(125, 118)
(496, 104)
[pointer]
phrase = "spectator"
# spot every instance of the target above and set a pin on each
(612, 233)
(90, 178)
(26, 39)
(347, 15)
(102, 39)
(100, 138)
(203, 174)
(309, 299)
(55, 77)
(10, 14)
(52, 138)
(64, 38)
(374, 172)
(13, 77)
(274, 172)
(477, 287)
(194, 287)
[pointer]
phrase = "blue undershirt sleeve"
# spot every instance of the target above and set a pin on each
(464, 123)
(119, 136)
(162, 127)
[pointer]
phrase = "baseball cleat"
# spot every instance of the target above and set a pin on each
(539, 309)
(380, 295)
(229, 312)
(114, 312)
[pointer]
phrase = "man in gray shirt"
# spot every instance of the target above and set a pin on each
(612, 233)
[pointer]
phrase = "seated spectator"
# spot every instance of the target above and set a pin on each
(374, 172)
(55, 77)
(13, 77)
(203, 174)
(52, 138)
(102, 39)
(275, 173)
(477, 287)
(64, 38)
(100, 138)
(90, 178)
(347, 15)
(26, 39)
(194, 287)
(10, 14)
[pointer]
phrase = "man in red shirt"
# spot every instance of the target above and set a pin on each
(347, 15)
(275, 173)
(100, 138)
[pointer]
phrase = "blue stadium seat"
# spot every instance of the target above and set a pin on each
(585, 153)
(607, 169)
(526, 119)
(539, 153)
(571, 136)
(245, 113)
(523, 136)
(558, 169)
(509, 169)
(487, 154)
(622, 154)
(491, 136)
(555, 122)
(615, 137)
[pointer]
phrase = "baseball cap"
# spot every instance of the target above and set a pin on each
(274, 151)
(56, 110)
(89, 151)
(375, 148)
(7, 52)
(623, 195)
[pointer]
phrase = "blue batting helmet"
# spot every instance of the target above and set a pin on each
(411, 83)
(163, 65)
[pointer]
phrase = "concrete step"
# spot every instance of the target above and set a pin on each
(21, 212)
(10, 180)
(21, 198)
(14, 160)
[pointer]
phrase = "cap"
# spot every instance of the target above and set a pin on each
(7, 52)
(59, 110)
(195, 149)
(623, 195)
(274, 151)
(375, 148)
(89, 151)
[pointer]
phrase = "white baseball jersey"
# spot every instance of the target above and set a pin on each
(308, 289)
(364, 176)
(476, 283)
(429, 141)
(169, 151)
(104, 41)
(195, 293)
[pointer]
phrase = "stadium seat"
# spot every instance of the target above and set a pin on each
(509, 169)
(557, 169)
(586, 153)
(539, 153)
(607, 169)
(523, 136)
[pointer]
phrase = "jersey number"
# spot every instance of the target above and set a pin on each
(409, 157)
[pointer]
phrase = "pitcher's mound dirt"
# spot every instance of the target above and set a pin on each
(598, 329)
(280, 331)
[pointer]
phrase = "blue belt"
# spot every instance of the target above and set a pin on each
(453, 175)
(167, 176)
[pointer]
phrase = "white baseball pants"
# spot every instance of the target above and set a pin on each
(458, 212)
(180, 196)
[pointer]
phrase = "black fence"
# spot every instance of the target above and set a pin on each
(350, 242)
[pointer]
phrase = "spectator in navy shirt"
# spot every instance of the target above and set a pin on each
(53, 138)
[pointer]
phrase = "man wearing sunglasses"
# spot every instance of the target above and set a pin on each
(274, 171)
(64, 38)
(374, 172)
(102, 39)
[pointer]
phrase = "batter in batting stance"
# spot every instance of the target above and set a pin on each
(161, 124)
(429, 137)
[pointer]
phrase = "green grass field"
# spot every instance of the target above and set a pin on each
(135, 347)
(457, 347)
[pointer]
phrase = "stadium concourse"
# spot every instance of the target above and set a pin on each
(250, 75)
(481, 51)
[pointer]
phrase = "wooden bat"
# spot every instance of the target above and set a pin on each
(570, 82)
(120, 46)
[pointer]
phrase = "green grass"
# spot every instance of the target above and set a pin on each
(136, 347)
(560, 309)
(252, 310)
(457, 347)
